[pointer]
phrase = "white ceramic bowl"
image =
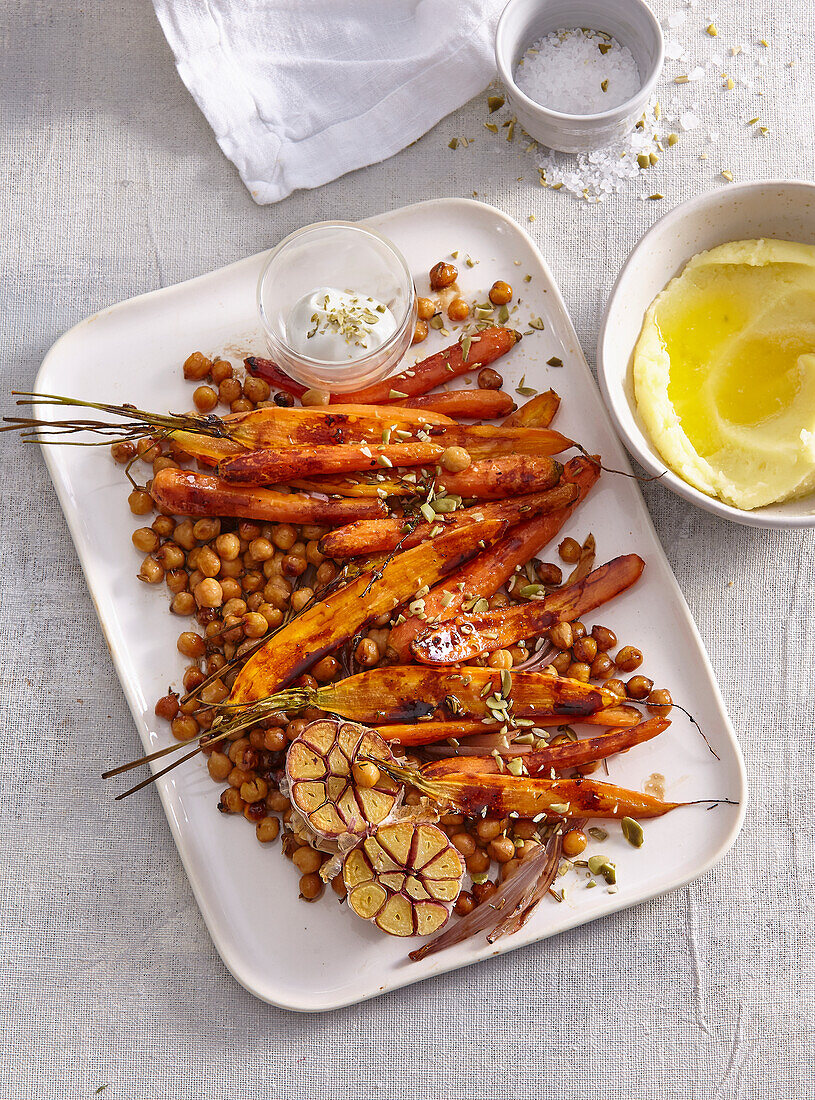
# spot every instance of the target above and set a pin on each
(631, 22)
(783, 209)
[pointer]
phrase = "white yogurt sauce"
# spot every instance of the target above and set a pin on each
(336, 325)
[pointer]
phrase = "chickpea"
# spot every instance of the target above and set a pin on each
(315, 398)
(501, 849)
(465, 903)
(464, 843)
(458, 310)
(221, 370)
(579, 670)
(483, 891)
(426, 308)
(274, 740)
(193, 677)
(151, 572)
(148, 450)
(219, 766)
(420, 332)
(499, 600)
(578, 630)
(184, 534)
(267, 830)
(561, 636)
(190, 644)
(205, 399)
(206, 529)
(252, 582)
(549, 574)
(660, 701)
(254, 790)
(501, 658)
(442, 275)
(307, 860)
(196, 367)
(628, 658)
(605, 638)
(367, 653)
(171, 556)
(295, 728)
(283, 400)
(585, 649)
(455, 459)
(231, 802)
(284, 536)
(230, 588)
(500, 293)
(164, 463)
(272, 615)
(311, 887)
(488, 828)
(574, 842)
(208, 593)
(123, 452)
(489, 379)
(365, 774)
(639, 687)
(326, 669)
(569, 550)
(183, 603)
(213, 693)
(184, 727)
(261, 549)
(277, 802)
(163, 526)
(254, 625)
(300, 598)
(616, 687)
(452, 819)
(140, 502)
(167, 706)
(561, 662)
(294, 565)
(478, 862)
(228, 546)
(256, 389)
(601, 666)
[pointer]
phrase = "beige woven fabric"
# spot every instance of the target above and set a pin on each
(114, 185)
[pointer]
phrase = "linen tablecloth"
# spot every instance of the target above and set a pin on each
(113, 185)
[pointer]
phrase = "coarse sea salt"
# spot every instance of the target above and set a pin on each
(578, 72)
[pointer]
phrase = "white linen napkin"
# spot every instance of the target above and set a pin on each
(299, 92)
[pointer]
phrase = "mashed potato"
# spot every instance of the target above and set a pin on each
(724, 372)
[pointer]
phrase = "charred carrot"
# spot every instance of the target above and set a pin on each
(332, 621)
(469, 354)
(278, 466)
(488, 572)
(409, 693)
(569, 755)
(497, 478)
(472, 404)
(529, 796)
(365, 537)
(428, 733)
(461, 639)
(186, 493)
(539, 412)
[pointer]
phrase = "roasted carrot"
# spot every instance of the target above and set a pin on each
(470, 354)
(467, 636)
(488, 572)
(528, 796)
(428, 733)
(332, 621)
(539, 412)
(472, 404)
(186, 493)
(408, 693)
(494, 441)
(569, 755)
(497, 478)
(466, 355)
(265, 368)
(278, 466)
(365, 537)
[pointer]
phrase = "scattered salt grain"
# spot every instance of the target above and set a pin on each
(674, 50)
(688, 120)
(578, 71)
(676, 19)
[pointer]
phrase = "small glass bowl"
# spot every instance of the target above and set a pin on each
(350, 258)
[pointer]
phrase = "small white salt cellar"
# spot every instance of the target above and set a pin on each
(572, 123)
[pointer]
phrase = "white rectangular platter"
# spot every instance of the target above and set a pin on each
(320, 956)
